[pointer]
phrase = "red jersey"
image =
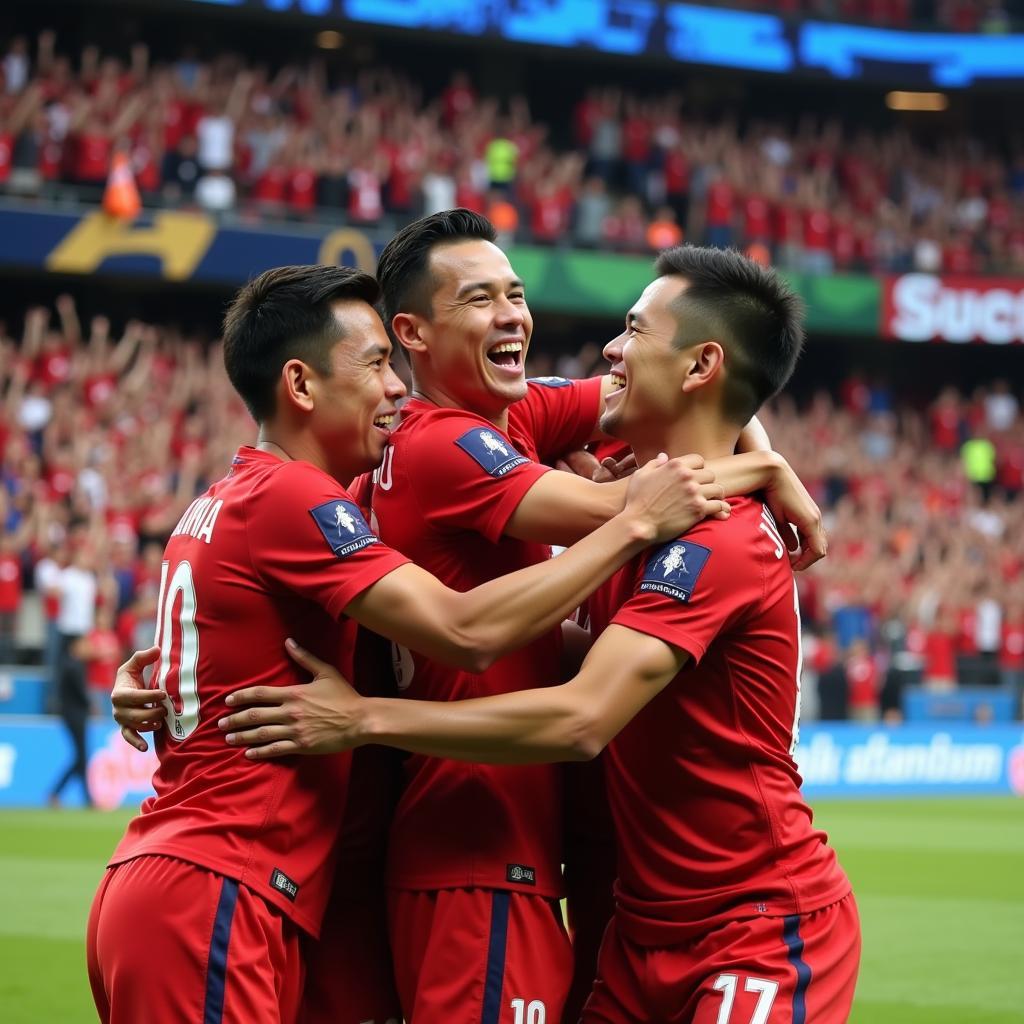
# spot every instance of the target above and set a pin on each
(704, 791)
(448, 485)
(1011, 647)
(10, 583)
(275, 549)
(862, 680)
(6, 152)
(721, 198)
(103, 661)
(757, 218)
(302, 188)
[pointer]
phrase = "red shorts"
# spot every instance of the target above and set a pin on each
(770, 970)
(171, 942)
(349, 977)
(479, 956)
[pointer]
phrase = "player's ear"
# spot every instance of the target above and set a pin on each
(707, 360)
(296, 385)
(406, 329)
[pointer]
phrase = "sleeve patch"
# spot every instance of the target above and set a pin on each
(673, 570)
(491, 450)
(343, 527)
(549, 382)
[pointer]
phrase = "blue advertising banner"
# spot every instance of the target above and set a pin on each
(841, 760)
(172, 244)
(836, 760)
(35, 750)
(693, 34)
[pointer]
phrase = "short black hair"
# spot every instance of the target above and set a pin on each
(283, 314)
(746, 307)
(403, 268)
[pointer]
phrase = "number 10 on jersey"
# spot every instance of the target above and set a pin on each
(176, 670)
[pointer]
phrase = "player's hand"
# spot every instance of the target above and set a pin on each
(583, 463)
(137, 708)
(672, 495)
(318, 717)
(797, 516)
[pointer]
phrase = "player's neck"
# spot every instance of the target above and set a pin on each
(711, 438)
(301, 448)
(437, 395)
(265, 444)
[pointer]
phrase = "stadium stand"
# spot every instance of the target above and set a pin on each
(293, 137)
(627, 171)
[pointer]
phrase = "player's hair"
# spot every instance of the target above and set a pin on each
(283, 314)
(403, 269)
(746, 307)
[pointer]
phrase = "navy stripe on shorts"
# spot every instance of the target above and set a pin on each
(795, 945)
(217, 963)
(495, 977)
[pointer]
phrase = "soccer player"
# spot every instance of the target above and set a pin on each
(462, 492)
(730, 906)
(229, 864)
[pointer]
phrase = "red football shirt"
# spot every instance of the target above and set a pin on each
(10, 583)
(275, 549)
(704, 791)
(448, 485)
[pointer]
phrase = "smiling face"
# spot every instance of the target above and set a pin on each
(355, 403)
(647, 368)
(473, 347)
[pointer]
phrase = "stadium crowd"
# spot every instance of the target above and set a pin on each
(626, 172)
(106, 440)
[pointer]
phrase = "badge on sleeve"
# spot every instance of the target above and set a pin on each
(673, 569)
(343, 526)
(549, 382)
(491, 450)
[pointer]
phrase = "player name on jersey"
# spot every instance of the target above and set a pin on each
(199, 519)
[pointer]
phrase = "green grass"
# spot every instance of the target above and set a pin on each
(940, 886)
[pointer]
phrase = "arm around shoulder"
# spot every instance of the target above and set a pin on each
(572, 722)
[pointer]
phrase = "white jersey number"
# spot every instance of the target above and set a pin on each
(180, 724)
(766, 992)
(799, 670)
(532, 1013)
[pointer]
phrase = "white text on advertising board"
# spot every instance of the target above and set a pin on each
(921, 307)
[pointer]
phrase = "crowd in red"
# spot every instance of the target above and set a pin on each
(630, 173)
(106, 440)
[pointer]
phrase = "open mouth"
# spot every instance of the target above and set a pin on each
(618, 381)
(508, 354)
(384, 422)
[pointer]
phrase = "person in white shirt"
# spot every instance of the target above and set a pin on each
(76, 617)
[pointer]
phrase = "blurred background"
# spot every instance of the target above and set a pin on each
(156, 154)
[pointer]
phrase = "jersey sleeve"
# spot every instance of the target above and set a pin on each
(692, 589)
(308, 536)
(560, 414)
(474, 475)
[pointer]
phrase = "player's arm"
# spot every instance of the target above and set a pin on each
(624, 670)
(754, 438)
(560, 508)
(474, 628)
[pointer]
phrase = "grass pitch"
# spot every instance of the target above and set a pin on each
(940, 886)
